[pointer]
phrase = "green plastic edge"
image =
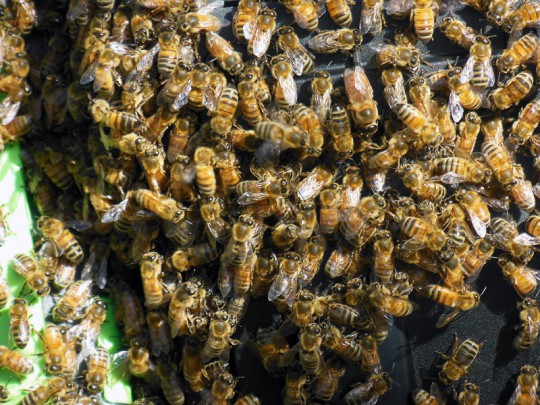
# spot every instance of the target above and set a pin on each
(14, 198)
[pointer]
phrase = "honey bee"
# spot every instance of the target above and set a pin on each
(459, 361)
(370, 391)
(339, 127)
(311, 358)
(55, 354)
(478, 69)
(97, 369)
(529, 326)
(70, 305)
(301, 60)
(476, 209)
(505, 233)
(219, 339)
(104, 74)
(527, 121)
(19, 326)
(321, 90)
(498, 11)
(202, 21)
(477, 257)
(394, 88)
(360, 94)
(260, 33)
(175, 92)
(264, 273)
(468, 133)
(462, 94)
(310, 187)
(526, 387)
(469, 395)
(286, 282)
(517, 54)
(43, 393)
(285, 93)
(102, 113)
(227, 104)
(36, 279)
(523, 278)
(527, 15)
(182, 304)
(360, 223)
(90, 327)
(422, 233)
(458, 32)
(460, 301)
(261, 87)
(252, 110)
(249, 399)
(170, 383)
(192, 366)
(284, 136)
(296, 386)
(344, 40)
(371, 17)
(244, 19)
(381, 297)
(455, 170)
(426, 131)
(340, 12)
(284, 235)
(160, 334)
(205, 175)
(164, 207)
(433, 397)
(415, 179)
(513, 91)
(4, 394)
(228, 59)
(383, 256)
(139, 363)
(184, 259)
(328, 381)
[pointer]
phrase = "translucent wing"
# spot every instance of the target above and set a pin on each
(288, 87)
(309, 188)
(452, 178)
(261, 41)
(489, 72)
(183, 95)
(394, 94)
(250, 198)
(120, 49)
(468, 70)
(90, 73)
(445, 319)
(114, 213)
(211, 96)
(369, 18)
(210, 22)
(78, 8)
(321, 104)
(456, 109)
(527, 240)
(210, 7)
(8, 111)
(296, 62)
(284, 285)
(359, 392)
(362, 83)
(248, 29)
(338, 263)
(479, 226)
(144, 63)
(398, 6)
(324, 42)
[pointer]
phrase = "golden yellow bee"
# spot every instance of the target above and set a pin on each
(306, 13)
(344, 40)
(513, 91)
(244, 19)
(377, 385)
(302, 61)
(230, 60)
(458, 32)
(285, 93)
(526, 390)
(517, 54)
(458, 362)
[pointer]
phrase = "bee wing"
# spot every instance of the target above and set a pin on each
(468, 70)
(87, 271)
(182, 97)
(436, 393)
(359, 391)
(497, 204)
(250, 198)
(248, 29)
(210, 22)
(531, 393)
(445, 319)
(394, 94)
(412, 245)
(338, 263)
(324, 41)
(120, 48)
(456, 109)
(282, 285)
(296, 62)
(489, 72)
(451, 178)
(369, 18)
(527, 240)
(376, 180)
(145, 62)
(288, 87)
(77, 8)
(479, 226)
(321, 104)
(90, 73)
(8, 111)
(450, 6)
(309, 188)
(211, 6)
(217, 228)
(398, 6)
(261, 41)
(211, 96)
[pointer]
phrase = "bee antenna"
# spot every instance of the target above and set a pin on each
(483, 291)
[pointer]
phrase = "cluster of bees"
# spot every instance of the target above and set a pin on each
(166, 163)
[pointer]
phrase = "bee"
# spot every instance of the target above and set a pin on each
(164, 207)
(310, 187)
(249, 399)
(285, 136)
(311, 358)
(462, 94)
(377, 385)
(102, 113)
(505, 233)
(517, 54)
(360, 94)
(425, 129)
(192, 365)
(227, 104)
(478, 69)
(43, 393)
(460, 301)
(394, 87)
(201, 21)
(4, 291)
(223, 388)
(121, 29)
(468, 133)
(168, 55)
(104, 74)
(455, 170)
(219, 339)
(19, 326)
(184, 259)
(498, 11)
(383, 256)
(476, 209)
(205, 175)
(285, 93)
(329, 200)
(422, 233)
(182, 304)
(97, 370)
(469, 395)
(523, 278)
(371, 17)
(529, 326)
(296, 389)
(339, 127)
(15, 362)
(305, 12)
(160, 334)
(415, 179)
(261, 87)
(313, 252)
(527, 121)
(55, 354)
(344, 40)
(340, 12)
(261, 32)
(182, 129)
(176, 90)
(360, 223)
(346, 348)
(36, 279)
(515, 89)
(139, 363)
(252, 110)
(200, 85)
(70, 305)
(286, 282)
(228, 59)
(389, 157)
(301, 60)
(321, 90)
(527, 15)
(90, 327)
(526, 387)
(477, 257)
(264, 273)
(211, 213)
(381, 297)
(328, 381)
(170, 383)
(433, 397)
(244, 19)
(284, 235)
(458, 32)
(458, 362)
